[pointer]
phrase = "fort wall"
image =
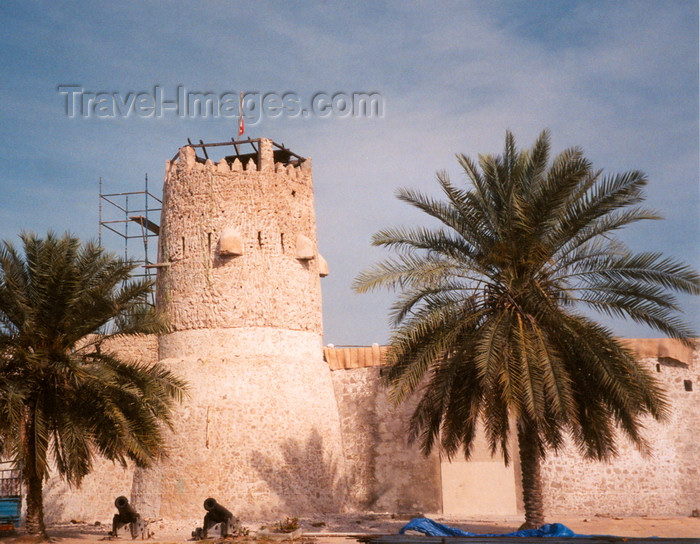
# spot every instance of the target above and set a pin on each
(232, 243)
(664, 482)
(385, 473)
(379, 469)
(240, 281)
(277, 425)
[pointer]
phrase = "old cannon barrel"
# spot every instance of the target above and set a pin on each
(216, 512)
(127, 513)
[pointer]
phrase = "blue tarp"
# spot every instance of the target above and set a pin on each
(432, 528)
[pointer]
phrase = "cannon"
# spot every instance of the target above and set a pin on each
(127, 515)
(216, 515)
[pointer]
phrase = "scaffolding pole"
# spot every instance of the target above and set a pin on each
(117, 211)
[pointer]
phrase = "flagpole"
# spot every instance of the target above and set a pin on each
(241, 122)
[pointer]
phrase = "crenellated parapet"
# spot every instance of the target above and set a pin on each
(239, 278)
(245, 223)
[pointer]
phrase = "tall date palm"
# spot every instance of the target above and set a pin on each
(64, 396)
(488, 322)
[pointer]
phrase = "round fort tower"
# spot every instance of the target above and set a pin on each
(239, 278)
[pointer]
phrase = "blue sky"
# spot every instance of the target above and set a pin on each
(619, 79)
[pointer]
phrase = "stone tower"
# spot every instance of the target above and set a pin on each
(239, 279)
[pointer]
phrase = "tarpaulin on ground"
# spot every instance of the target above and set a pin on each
(432, 528)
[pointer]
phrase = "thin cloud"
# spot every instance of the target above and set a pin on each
(620, 80)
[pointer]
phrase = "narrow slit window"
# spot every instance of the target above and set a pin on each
(259, 238)
(282, 241)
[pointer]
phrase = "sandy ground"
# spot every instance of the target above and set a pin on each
(343, 528)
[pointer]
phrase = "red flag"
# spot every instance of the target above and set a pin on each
(241, 123)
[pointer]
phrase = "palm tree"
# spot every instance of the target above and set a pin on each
(488, 324)
(64, 396)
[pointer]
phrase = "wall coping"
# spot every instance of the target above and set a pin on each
(348, 357)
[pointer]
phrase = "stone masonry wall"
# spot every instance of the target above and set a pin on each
(384, 472)
(381, 471)
(268, 209)
(240, 282)
(667, 482)
(259, 432)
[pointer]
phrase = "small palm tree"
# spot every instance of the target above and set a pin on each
(63, 394)
(487, 324)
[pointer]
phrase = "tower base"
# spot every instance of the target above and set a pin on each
(260, 431)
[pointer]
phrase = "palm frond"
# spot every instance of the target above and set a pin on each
(486, 315)
(63, 397)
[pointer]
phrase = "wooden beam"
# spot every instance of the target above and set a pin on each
(218, 144)
(141, 220)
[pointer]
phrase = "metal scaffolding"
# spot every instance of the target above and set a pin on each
(136, 209)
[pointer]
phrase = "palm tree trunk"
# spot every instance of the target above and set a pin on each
(532, 482)
(32, 480)
(35, 506)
